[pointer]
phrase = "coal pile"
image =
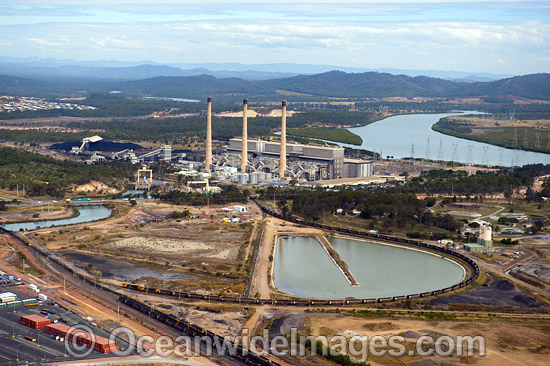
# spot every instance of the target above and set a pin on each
(102, 145)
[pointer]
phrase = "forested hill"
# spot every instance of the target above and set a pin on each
(329, 84)
(342, 85)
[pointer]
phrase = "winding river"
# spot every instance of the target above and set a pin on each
(87, 214)
(395, 136)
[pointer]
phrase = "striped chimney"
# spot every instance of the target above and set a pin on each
(208, 160)
(244, 153)
(282, 163)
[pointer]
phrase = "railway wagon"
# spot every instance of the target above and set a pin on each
(250, 357)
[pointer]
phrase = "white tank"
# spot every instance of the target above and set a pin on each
(243, 178)
(253, 178)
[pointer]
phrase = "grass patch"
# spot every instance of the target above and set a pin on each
(327, 133)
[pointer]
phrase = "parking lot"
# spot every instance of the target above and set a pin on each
(20, 344)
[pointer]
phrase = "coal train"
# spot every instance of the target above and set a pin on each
(191, 329)
(324, 302)
(247, 357)
(290, 302)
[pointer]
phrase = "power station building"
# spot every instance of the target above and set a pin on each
(327, 162)
(256, 158)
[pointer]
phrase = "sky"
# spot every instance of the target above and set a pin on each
(510, 37)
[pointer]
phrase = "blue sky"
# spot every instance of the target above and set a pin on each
(476, 36)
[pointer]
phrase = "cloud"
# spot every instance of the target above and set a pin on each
(408, 34)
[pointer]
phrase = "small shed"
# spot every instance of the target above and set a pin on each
(239, 208)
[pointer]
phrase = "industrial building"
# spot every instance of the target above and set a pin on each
(243, 161)
(259, 160)
(309, 162)
(484, 241)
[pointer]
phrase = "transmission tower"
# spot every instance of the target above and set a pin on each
(515, 140)
(470, 157)
(412, 152)
(455, 153)
(516, 160)
(428, 153)
(537, 140)
(485, 159)
(548, 144)
(525, 142)
(440, 151)
(500, 156)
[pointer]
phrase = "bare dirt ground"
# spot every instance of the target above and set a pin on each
(497, 293)
(525, 343)
(202, 253)
(490, 123)
(261, 283)
(95, 186)
(67, 294)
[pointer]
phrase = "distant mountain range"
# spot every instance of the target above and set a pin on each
(79, 80)
(336, 84)
(47, 68)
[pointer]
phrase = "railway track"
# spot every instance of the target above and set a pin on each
(154, 318)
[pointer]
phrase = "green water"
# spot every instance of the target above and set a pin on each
(303, 268)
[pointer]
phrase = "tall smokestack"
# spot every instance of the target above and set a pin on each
(244, 153)
(208, 160)
(282, 163)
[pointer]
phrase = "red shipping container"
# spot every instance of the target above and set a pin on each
(35, 321)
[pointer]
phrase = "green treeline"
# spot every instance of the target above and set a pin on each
(380, 206)
(43, 175)
(526, 138)
(460, 183)
(229, 194)
(173, 130)
(330, 134)
(112, 105)
(398, 206)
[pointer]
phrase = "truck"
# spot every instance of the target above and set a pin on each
(42, 297)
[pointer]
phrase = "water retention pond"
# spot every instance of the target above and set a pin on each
(302, 268)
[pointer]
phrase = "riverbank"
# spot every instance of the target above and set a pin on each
(327, 133)
(34, 214)
(413, 134)
(523, 137)
(334, 134)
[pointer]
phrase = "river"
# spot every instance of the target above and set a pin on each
(87, 214)
(395, 136)
(302, 268)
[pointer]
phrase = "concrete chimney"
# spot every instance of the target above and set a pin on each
(244, 153)
(208, 160)
(282, 162)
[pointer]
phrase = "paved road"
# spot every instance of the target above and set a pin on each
(111, 301)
